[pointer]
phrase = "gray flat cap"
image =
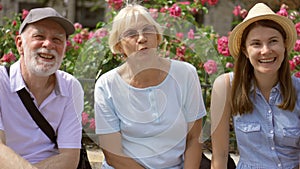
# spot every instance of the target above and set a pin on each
(38, 14)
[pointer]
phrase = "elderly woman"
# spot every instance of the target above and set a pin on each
(148, 110)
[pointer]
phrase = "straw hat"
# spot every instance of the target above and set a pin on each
(261, 11)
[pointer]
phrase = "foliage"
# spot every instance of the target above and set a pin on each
(88, 54)
(8, 32)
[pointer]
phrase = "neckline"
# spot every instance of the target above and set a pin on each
(146, 88)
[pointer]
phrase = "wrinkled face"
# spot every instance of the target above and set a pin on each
(42, 46)
(139, 38)
(265, 49)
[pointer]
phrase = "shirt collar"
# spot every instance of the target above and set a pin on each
(276, 87)
(17, 81)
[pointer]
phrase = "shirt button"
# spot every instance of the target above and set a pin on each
(270, 111)
(271, 131)
(272, 148)
(279, 165)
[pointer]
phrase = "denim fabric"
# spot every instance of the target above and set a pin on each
(268, 138)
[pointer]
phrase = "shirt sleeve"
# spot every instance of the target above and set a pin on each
(70, 128)
(193, 104)
(106, 119)
(1, 124)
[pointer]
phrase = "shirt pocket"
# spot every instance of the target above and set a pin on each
(248, 133)
(248, 127)
(291, 137)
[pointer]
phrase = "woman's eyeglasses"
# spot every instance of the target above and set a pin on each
(133, 33)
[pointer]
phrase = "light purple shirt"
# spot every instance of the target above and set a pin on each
(62, 109)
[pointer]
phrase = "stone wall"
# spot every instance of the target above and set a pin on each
(220, 17)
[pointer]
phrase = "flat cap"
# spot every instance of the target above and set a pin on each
(38, 14)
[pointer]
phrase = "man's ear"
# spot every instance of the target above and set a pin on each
(18, 42)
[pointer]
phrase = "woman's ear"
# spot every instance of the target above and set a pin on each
(118, 47)
(244, 51)
(159, 38)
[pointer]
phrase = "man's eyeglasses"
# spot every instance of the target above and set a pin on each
(133, 33)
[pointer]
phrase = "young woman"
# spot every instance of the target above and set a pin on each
(260, 94)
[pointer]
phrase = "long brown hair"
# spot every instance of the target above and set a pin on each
(244, 76)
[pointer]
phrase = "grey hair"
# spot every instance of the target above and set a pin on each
(124, 19)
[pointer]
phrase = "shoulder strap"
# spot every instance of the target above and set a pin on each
(35, 113)
(7, 69)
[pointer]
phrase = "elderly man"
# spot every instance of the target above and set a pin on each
(56, 94)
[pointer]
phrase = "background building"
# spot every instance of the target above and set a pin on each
(81, 11)
(90, 12)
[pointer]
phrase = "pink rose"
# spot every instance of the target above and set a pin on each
(297, 46)
(297, 26)
(191, 34)
(180, 52)
(164, 9)
(179, 35)
(210, 67)
(85, 118)
(69, 44)
(203, 1)
(296, 59)
(24, 13)
(78, 38)
(77, 26)
(212, 2)
(91, 35)
(297, 74)
(223, 46)
(100, 33)
(185, 3)
(229, 65)
(92, 124)
(194, 11)
(236, 10)
(14, 23)
(292, 65)
(9, 57)
(243, 13)
(175, 10)
(115, 4)
(154, 13)
(282, 12)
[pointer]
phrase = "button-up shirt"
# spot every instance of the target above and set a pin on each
(269, 137)
(62, 109)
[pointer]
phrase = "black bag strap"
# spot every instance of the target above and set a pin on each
(7, 70)
(35, 113)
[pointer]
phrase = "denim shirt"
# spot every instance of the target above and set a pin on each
(269, 137)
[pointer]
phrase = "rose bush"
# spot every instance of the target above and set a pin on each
(88, 54)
